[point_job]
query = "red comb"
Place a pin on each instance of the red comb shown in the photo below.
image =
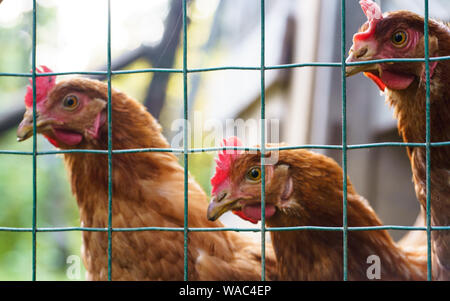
(371, 10)
(43, 86)
(223, 167)
(223, 162)
(373, 14)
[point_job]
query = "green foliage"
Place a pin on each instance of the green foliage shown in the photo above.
(200, 168)
(56, 207)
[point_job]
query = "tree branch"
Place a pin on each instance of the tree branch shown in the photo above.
(11, 118)
(156, 95)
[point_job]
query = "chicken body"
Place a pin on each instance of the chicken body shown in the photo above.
(400, 34)
(305, 189)
(147, 191)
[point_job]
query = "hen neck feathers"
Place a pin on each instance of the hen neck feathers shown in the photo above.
(318, 255)
(132, 127)
(410, 110)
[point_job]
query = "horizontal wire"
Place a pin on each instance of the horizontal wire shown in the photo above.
(214, 149)
(219, 229)
(224, 68)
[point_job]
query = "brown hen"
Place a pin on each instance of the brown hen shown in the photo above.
(400, 34)
(305, 189)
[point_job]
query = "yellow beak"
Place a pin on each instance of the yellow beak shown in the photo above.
(220, 204)
(25, 129)
(360, 52)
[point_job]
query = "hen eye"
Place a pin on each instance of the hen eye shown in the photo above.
(399, 38)
(254, 174)
(70, 102)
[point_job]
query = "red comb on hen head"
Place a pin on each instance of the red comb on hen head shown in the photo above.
(371, 9)
(43, 86)
(223, 168)
(373, 14)
(223, 162)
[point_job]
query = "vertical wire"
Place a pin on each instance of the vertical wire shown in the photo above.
(109, 108)
(427, 141)
(263, 147)
(185, 139)
(33, 77)
(344, 142)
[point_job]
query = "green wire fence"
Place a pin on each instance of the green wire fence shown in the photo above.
(263, 149)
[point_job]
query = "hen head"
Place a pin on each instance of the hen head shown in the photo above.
(398, 34)
(69, 114)
(236, 185)
(301, 184)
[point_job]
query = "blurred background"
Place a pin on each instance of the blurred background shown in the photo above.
(306, 102)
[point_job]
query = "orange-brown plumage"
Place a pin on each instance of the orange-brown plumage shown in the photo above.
(409, 103)
(148, 191)
(305, 188)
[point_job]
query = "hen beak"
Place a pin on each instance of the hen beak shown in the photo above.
(364, 52)
(220, 204)
(25, 129)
